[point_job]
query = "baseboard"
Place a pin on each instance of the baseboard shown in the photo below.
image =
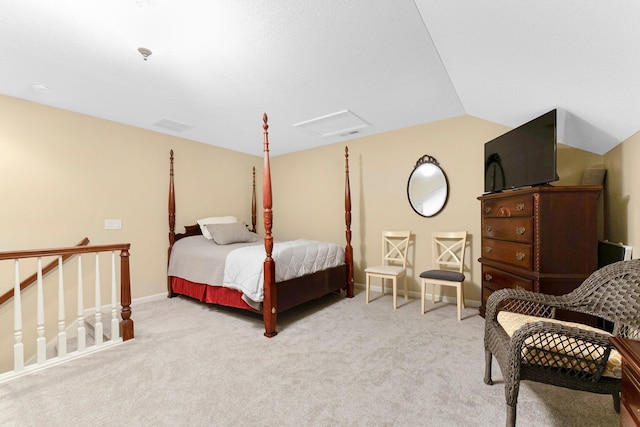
(374, 288)
(106, 308)
(415, 294)
(149, 298)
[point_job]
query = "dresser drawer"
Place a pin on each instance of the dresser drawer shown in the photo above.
(496, 279)
(630, 392)
(518, 229)
(516, 254)
(512, 206)
(626, 418)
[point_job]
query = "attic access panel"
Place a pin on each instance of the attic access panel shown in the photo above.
(342, 123)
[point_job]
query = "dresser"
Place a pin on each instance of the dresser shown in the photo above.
(630, 387)
(542, 239)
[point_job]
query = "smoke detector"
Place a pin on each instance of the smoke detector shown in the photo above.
(144, 52)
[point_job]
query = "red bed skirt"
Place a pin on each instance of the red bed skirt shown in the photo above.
(209, 294)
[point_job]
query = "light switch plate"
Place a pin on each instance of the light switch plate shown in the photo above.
(112, 224)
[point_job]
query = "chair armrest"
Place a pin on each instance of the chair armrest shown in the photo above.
(524, 302)
(577, 351)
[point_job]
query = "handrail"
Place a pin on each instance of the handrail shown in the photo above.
(126, 325)
(62, 251)
(31, 279)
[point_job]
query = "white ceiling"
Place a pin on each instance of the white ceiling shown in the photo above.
(218, 65)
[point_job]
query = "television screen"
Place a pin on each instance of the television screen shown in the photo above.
(524, 156)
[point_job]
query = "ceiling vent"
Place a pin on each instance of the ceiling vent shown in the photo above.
(171, 125)
(343, 123)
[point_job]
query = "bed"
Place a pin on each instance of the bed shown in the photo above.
(224, 274)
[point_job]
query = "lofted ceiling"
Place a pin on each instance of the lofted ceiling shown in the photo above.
(359, 67)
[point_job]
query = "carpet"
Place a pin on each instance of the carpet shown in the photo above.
(334, 362)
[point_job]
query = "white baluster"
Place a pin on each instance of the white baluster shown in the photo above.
(41, 341)
(18, 346)
(82, 337)
(115, 327)
(98, 326)
(62, 334)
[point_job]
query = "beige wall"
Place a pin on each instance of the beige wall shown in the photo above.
(572, 162)
(65, 173)
(380, 166)
(622, 222)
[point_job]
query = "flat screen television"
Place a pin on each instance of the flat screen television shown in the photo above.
(524, 156)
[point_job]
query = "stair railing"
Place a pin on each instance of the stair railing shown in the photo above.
(120, 330)
(32, 279)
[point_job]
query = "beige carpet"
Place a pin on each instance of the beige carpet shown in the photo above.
(335, 362)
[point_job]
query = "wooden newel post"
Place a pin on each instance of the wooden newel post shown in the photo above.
(126, 324)
(270, 303)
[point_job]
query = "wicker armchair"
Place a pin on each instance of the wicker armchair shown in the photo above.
(556, 353)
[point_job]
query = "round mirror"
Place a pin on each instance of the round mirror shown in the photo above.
(427, 188)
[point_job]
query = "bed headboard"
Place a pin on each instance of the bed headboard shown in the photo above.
(194, 229)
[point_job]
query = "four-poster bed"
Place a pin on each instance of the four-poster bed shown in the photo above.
(331, 272)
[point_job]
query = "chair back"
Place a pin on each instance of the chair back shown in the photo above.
(395, 245)
(613, 293)
(448, 250)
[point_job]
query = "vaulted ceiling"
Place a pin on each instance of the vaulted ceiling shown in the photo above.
(328, 70)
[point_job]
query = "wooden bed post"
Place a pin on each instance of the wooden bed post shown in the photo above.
(172, 220)
(253, 202)
(348, 250)
(269, 306)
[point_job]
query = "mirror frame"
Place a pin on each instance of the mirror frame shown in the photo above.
(422, 161)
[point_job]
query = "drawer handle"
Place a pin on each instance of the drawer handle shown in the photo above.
(487, 209)
(519, 256)
(488, 277)
(489, 228)
(488, 249)
(520, 230)
(520, 206)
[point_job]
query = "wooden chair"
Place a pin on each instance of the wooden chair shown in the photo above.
(564, 354)
(395, 245)
(448, 265)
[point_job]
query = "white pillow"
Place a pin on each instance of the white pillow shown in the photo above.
(214, 220)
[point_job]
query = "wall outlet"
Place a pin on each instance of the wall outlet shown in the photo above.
(112, 224)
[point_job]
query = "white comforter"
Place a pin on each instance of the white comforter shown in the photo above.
(240, 265)
(244, 266)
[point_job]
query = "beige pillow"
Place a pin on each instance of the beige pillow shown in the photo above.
(214, 220)
(225, 234)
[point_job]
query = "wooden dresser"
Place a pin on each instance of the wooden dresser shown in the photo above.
(543, 239)
(630, 388)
